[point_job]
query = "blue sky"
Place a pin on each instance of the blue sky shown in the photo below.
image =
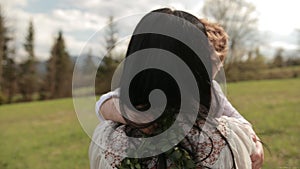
(80, 19)
(40, 6)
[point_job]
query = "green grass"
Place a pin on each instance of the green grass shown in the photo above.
(47, 135)
(273, 108)
(42, 135)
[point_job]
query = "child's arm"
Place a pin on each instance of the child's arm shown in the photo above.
(106, 108)
(257, 157)
(228, 109)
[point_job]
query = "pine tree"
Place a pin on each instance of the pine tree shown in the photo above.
(3, 46)
(278, 58)
(28, 77)
(10, 77)
(87, 69)
(108, 64)
(110, 42)
(259, 60)
(88, 65)
(59, 68)
(7, 64)
(10, 72)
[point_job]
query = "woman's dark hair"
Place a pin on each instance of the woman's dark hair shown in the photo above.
(149, 34)
(146, 36)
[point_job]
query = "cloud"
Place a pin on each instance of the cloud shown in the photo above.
(278, 15)
(284, 45)
(47, 26)
(76, 20)
(285, 41)
(14, 3)
(79, 20)
(124, 8)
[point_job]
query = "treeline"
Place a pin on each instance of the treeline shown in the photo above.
(257, 67)
(26, 82)
(20, 82)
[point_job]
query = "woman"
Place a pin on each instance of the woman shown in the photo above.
(218, 38)
(223, 143)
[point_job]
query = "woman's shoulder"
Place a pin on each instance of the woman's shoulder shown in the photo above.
(109, 142)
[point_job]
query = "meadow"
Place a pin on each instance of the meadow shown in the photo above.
(47, 134)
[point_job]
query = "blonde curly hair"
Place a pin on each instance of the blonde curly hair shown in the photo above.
(217, 37)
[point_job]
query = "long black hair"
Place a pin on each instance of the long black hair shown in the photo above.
(147, 36)
(176, 32)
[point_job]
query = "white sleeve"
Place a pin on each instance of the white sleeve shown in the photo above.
(96, 152)
(228, 109)
(103, 99)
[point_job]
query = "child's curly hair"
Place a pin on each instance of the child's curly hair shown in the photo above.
(217, 37)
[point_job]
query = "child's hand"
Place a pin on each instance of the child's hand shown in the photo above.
(257, 157)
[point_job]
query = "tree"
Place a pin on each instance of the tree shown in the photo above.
(108, 64)
(10, 68)
(252, 68)
(111, 38)
(298, 40)
(59, 67)
(278, 58)
(3, 45)
(28, 77)
(10, 78)
(294, 58)
(88, 63)
(240, 22)
(87, 70)
(7, 63)
(110, 42)
(259, 62)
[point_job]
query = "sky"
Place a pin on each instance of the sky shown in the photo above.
(81, 19)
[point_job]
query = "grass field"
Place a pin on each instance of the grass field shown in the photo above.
(47, 135)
